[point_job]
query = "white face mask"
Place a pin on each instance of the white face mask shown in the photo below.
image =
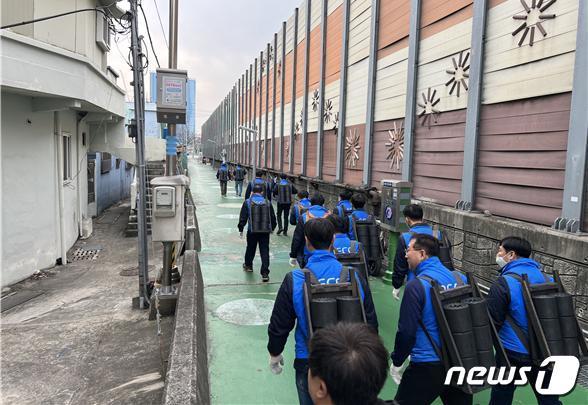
(500, 261)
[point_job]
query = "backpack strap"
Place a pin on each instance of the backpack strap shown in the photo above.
(353, 246)
(458, 278)
(422, 325)
(515, 327)
(344, 275)
(313, 279)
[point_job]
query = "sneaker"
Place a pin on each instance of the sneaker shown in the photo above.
(265, 278)
(246, 268)
(285, 233)
(279, 232)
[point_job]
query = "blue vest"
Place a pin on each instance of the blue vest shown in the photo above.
(327, 270)
(316, 211)
(342, 244)
(516, 307)
(257, 199)
(305, 202)
(422, 351)
(357, 215)
(407, 236)
(342, 206)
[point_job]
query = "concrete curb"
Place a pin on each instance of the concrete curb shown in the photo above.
(187, 375)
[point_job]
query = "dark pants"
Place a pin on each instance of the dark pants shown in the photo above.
(283, 212)
(238, 187)
(422, 383)
(302, 387)
(223, 185)
(253, 239)
(503, 394)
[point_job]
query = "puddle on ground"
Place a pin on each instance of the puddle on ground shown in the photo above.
(249, 311)
(229, 205)
(228, 216)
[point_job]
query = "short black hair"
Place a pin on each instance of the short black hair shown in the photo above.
(257, 188)
(338, 223)
(520, 246)
(346, 194)
(319, 232)
(358, 200)
(352, 361)
(283, 176)
(259, 173)
(317, 199)
(302, 194)
(425, 242)
(413, 211)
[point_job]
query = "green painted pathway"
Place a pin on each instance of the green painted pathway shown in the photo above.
(237, 331)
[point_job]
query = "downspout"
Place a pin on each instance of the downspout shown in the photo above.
(59, 183)
(79, 171)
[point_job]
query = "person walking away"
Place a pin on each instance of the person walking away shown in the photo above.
(299, 253)
(239, 175)
(299, 207)
(283, 191)
(423, 380)
(289, 308)
(266, 189)
(413, 216)
(223, 177)
(258, 214)
(507, 309)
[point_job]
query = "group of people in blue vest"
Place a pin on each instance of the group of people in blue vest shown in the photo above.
(320, 236)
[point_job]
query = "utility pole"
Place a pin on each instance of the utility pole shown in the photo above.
(139, 95)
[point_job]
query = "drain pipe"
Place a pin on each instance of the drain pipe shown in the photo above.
(59, 182)
(79, 122)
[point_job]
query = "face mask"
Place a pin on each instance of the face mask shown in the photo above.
(500, 261)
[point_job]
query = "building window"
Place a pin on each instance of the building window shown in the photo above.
(66, 157)
(105, 162)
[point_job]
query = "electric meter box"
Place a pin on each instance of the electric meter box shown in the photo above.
(167, 219)
(396, 195)
(171, 96)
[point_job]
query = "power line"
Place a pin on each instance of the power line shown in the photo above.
(161, 24)
(54, 16)
(149, 35)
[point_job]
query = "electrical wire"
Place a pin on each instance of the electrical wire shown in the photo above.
(161, 24)
(149, 35)
(54, 16)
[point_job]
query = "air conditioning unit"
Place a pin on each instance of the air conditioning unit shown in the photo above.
(102, 32)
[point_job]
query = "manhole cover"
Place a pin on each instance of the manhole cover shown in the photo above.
(134, 271)
(249, 311)
(84, 254)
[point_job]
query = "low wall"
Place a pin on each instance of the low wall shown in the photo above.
(187, 375)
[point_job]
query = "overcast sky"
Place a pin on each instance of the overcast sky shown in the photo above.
(217, 40)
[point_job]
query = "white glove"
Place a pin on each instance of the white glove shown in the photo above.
(396, 373)
(276, 364)
(396, 294)
(293, 262)
(240, 235)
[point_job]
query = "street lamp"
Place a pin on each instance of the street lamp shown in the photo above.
(254, 132)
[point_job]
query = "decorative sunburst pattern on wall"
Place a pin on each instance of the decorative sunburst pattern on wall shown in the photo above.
(279, 68)
(533, 18)
(315, 100)
(328, 115)
(395, 146)
(428, 106)
(336, 122)
(459, 73)
(352, 148)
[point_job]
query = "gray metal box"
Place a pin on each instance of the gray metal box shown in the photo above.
(168, 208)
(171, 96)
(396, 195)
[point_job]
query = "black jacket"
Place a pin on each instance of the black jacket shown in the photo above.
(268, 193)
(298, 241)
(275, 192)
(244, 217)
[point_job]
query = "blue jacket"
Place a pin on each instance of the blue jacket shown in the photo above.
(245, 214)
(223, 168)
(417, 306)
(257, 180)
(401, 269)
(289, 305)
(342, 244)
(295, 211)
(506, 298)
(357, 215)
(342, 206)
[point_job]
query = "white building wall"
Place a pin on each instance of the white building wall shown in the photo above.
(30, 201)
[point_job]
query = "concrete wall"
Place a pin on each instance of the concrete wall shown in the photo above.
(30, 205)
(112, 186)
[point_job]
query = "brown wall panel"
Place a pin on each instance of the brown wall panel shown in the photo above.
(301, 48)
(353, 174)
(329, 154)
(522, 152)
(311, 154)
(380, 163)
(288, 73)
(314, 68)
(334, 44)
(286, 152)
(298, 154)
(394, 22)
(452, 14)
(438, 158)
(436, 10)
